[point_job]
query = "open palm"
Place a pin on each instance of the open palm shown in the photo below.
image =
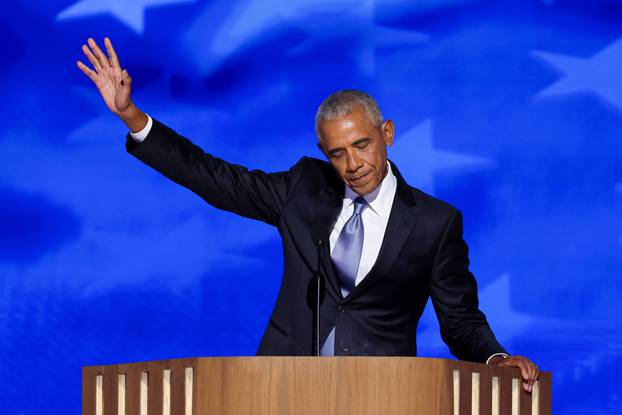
(113, 83)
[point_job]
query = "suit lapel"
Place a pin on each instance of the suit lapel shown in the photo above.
(401, 223)
(330, 201)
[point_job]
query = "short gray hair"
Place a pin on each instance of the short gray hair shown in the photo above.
(344, 102)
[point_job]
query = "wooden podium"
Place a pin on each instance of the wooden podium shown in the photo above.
(309, 386)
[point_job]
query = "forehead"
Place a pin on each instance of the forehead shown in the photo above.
(348, 128)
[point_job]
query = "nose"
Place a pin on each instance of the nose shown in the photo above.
(353, 162)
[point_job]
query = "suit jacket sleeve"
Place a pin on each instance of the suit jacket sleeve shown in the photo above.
(453, 290)
(253, 194)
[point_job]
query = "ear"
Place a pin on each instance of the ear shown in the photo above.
(387, 131)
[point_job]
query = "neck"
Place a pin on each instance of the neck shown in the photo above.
(386, 171)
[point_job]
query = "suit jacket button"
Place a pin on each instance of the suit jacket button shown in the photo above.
(340, 309)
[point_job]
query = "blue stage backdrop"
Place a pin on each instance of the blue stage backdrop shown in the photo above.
(510, 110)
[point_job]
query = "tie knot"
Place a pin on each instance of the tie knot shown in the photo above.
(359, 204)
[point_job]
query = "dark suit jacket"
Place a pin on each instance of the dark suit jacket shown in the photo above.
(422, 255)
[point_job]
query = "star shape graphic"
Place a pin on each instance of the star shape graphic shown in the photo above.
(599, 74)
(110, 227)
(495, 301)
(418, 159)
(194, 121)
(366, 36)
(131, 12)
(188, 118)
(322, 21)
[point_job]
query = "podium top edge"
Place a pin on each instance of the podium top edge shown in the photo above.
(266, 358)
(195, 361)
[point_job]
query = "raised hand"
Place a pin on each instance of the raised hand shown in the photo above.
(113, 82)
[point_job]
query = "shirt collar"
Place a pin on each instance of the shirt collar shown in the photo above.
(381, 199)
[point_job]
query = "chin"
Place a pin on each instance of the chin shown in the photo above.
(363, 190)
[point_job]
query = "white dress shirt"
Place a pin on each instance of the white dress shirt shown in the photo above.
(375, 217)
(142, 134)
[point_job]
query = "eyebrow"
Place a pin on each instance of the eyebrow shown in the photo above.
(356, 143)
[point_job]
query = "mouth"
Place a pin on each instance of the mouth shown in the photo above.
(360, 180)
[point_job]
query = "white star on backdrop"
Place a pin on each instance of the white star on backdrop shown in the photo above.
(418, 159)
(131, 12)
(599, 74)
(195, 122)
(364, 34)
(187, 118)
(114, 217)
(495, 301)
(322, 21)
(245, 24)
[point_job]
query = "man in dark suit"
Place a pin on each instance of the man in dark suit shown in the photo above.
(387, 246)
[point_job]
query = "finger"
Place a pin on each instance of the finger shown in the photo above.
(526, 373)
(525, 370)
(114, 60)
(101, 57)
(126, 83)
(531, 379)
(126, 90)
(127, 79)
(87, 71)
(89, 55)
(534, 373)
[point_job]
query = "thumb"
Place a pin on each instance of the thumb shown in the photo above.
(126, 79)
(122, 100)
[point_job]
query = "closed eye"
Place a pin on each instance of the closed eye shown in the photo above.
(361, 142)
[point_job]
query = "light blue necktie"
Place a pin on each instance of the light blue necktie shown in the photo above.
(347, 256)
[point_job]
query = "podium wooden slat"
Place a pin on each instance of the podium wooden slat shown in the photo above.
(465, 390)
(132, 389)
(110, 386)
(154, 370)
(485, 392)
(546, 391)
(177, 386)
(88, 388)
(505, 395)
(525, 401)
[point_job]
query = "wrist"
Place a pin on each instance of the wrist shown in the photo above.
(496, 359)
(134, 118)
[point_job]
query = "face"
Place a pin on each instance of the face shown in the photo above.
(357, 149)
